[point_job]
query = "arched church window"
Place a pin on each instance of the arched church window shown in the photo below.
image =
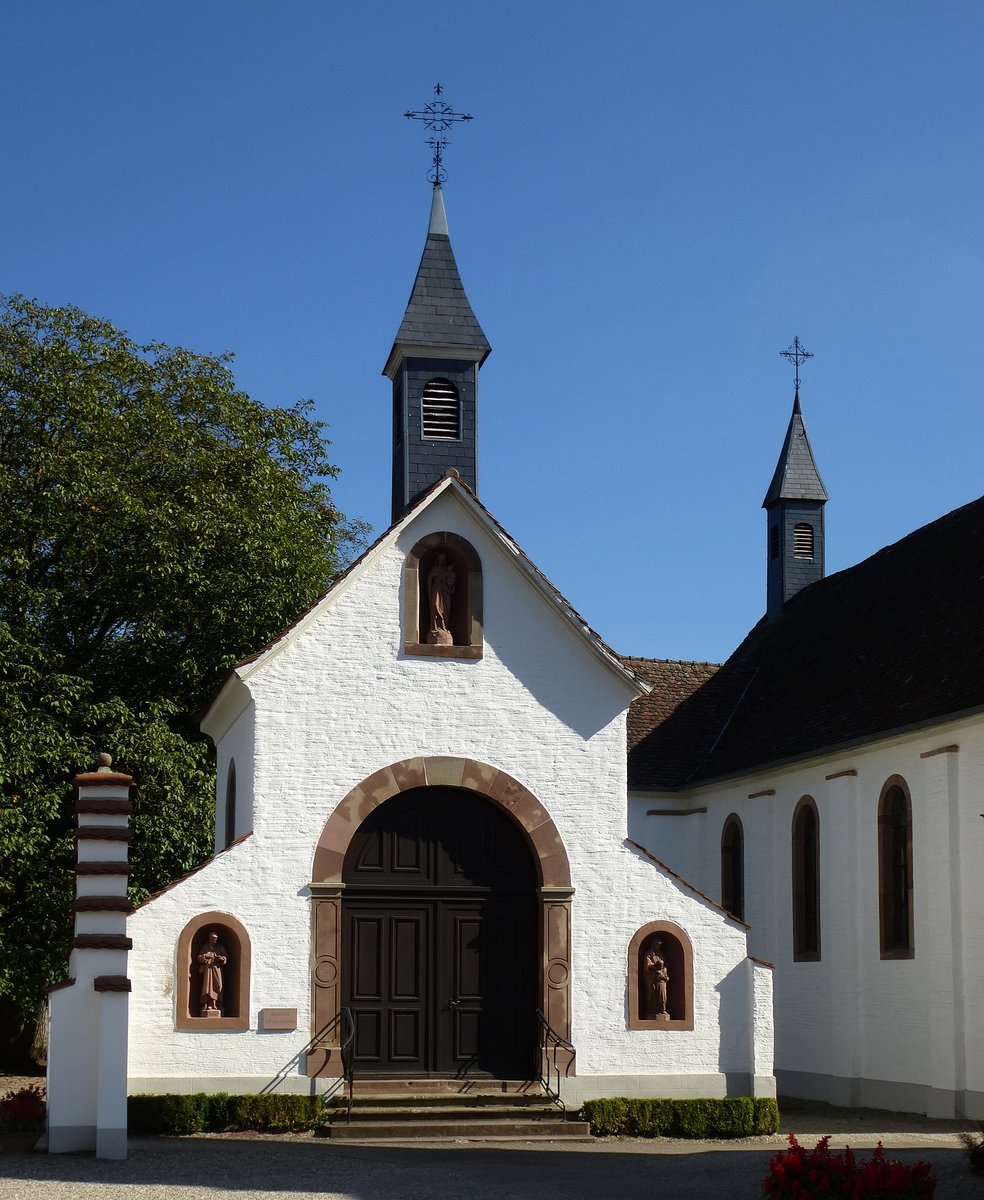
(661, 978)
(212, 975)
(803, 540)
(442, 598)
(733, 867)
(806, 881)
(441, 409)
(895, 870)
(230, 803)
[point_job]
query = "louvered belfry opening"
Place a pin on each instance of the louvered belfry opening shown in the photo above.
(441, 411)
(803, 540)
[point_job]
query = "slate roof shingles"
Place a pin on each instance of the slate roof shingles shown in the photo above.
(438, 310)
(893, 642)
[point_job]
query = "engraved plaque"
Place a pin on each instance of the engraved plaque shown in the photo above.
(278, 1018)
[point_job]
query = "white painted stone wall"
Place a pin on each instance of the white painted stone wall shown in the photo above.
(339, 701)
(853, 1028)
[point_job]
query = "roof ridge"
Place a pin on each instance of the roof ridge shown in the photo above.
(679, 662)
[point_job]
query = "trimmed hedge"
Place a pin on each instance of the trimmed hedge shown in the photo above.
(202, 1113)
(734, 1117)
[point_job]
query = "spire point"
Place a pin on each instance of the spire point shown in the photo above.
(438, 217)
(797, 411)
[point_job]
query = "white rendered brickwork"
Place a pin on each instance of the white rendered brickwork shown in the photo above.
(337, 701)
(856, 1027)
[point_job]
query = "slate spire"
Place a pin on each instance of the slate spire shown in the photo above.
(434, 365)
(796, 476)
(794, 513)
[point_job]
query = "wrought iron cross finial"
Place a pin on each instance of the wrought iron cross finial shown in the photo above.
(796, 353)
(438, 117)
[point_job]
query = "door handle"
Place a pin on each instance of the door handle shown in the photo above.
(454, 1004)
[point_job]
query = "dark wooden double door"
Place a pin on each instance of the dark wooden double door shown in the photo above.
(440, 939)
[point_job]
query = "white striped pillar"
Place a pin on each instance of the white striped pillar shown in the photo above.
(88, 1018)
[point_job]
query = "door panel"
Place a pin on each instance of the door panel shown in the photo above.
(387, 956)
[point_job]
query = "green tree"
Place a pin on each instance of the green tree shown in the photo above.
(156, 525)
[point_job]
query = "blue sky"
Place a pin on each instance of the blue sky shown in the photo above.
(651, 201)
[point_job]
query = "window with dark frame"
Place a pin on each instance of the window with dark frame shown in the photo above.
(733, 867)
(895, 873)
(806, 881)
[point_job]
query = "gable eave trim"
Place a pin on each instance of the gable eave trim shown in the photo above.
(535, 577)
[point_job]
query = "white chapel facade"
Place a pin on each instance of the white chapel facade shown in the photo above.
(421, 822)
(456, 833)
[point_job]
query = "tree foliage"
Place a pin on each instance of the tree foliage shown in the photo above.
(156, 525)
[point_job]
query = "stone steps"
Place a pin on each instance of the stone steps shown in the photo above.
(484, 1131)
(435, 1110)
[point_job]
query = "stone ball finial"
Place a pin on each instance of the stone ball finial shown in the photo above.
(452, 473)
(105, 763)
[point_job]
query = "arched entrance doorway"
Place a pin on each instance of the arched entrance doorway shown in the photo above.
(439, 932)
(327, 889)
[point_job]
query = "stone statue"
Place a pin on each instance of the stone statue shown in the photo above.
(440, 589)
(656, 979)
(211, 961)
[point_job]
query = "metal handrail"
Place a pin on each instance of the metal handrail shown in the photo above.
(551, 1045)
(347, 1053)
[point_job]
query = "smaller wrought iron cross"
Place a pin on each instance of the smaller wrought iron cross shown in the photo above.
(438, 117)
(796, 353)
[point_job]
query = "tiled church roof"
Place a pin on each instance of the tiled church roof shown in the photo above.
(894, 642)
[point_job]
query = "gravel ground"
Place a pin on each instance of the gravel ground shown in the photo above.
(298, 1167)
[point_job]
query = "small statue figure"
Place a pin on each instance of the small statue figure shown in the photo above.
(440, 588)
(211, 961)
(656, 978)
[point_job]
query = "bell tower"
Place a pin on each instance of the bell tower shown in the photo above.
(794, 510)
(434, 367)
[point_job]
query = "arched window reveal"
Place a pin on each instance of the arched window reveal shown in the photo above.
(806, 881)
(230, 803)
(733, 867)
(895, 870)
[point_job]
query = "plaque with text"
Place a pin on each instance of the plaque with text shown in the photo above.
(278, 1018)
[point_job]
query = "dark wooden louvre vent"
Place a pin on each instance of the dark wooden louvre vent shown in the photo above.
(803, 540)
(442, 411)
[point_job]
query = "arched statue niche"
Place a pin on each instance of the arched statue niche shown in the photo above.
(660, 978)
(212, 970)
(442, 598)
(551, 898)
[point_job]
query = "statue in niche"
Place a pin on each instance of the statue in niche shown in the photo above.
(656, 980)
(211, 960)
(440, 589)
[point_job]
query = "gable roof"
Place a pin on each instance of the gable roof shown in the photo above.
(892, 643)
(452, 486)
